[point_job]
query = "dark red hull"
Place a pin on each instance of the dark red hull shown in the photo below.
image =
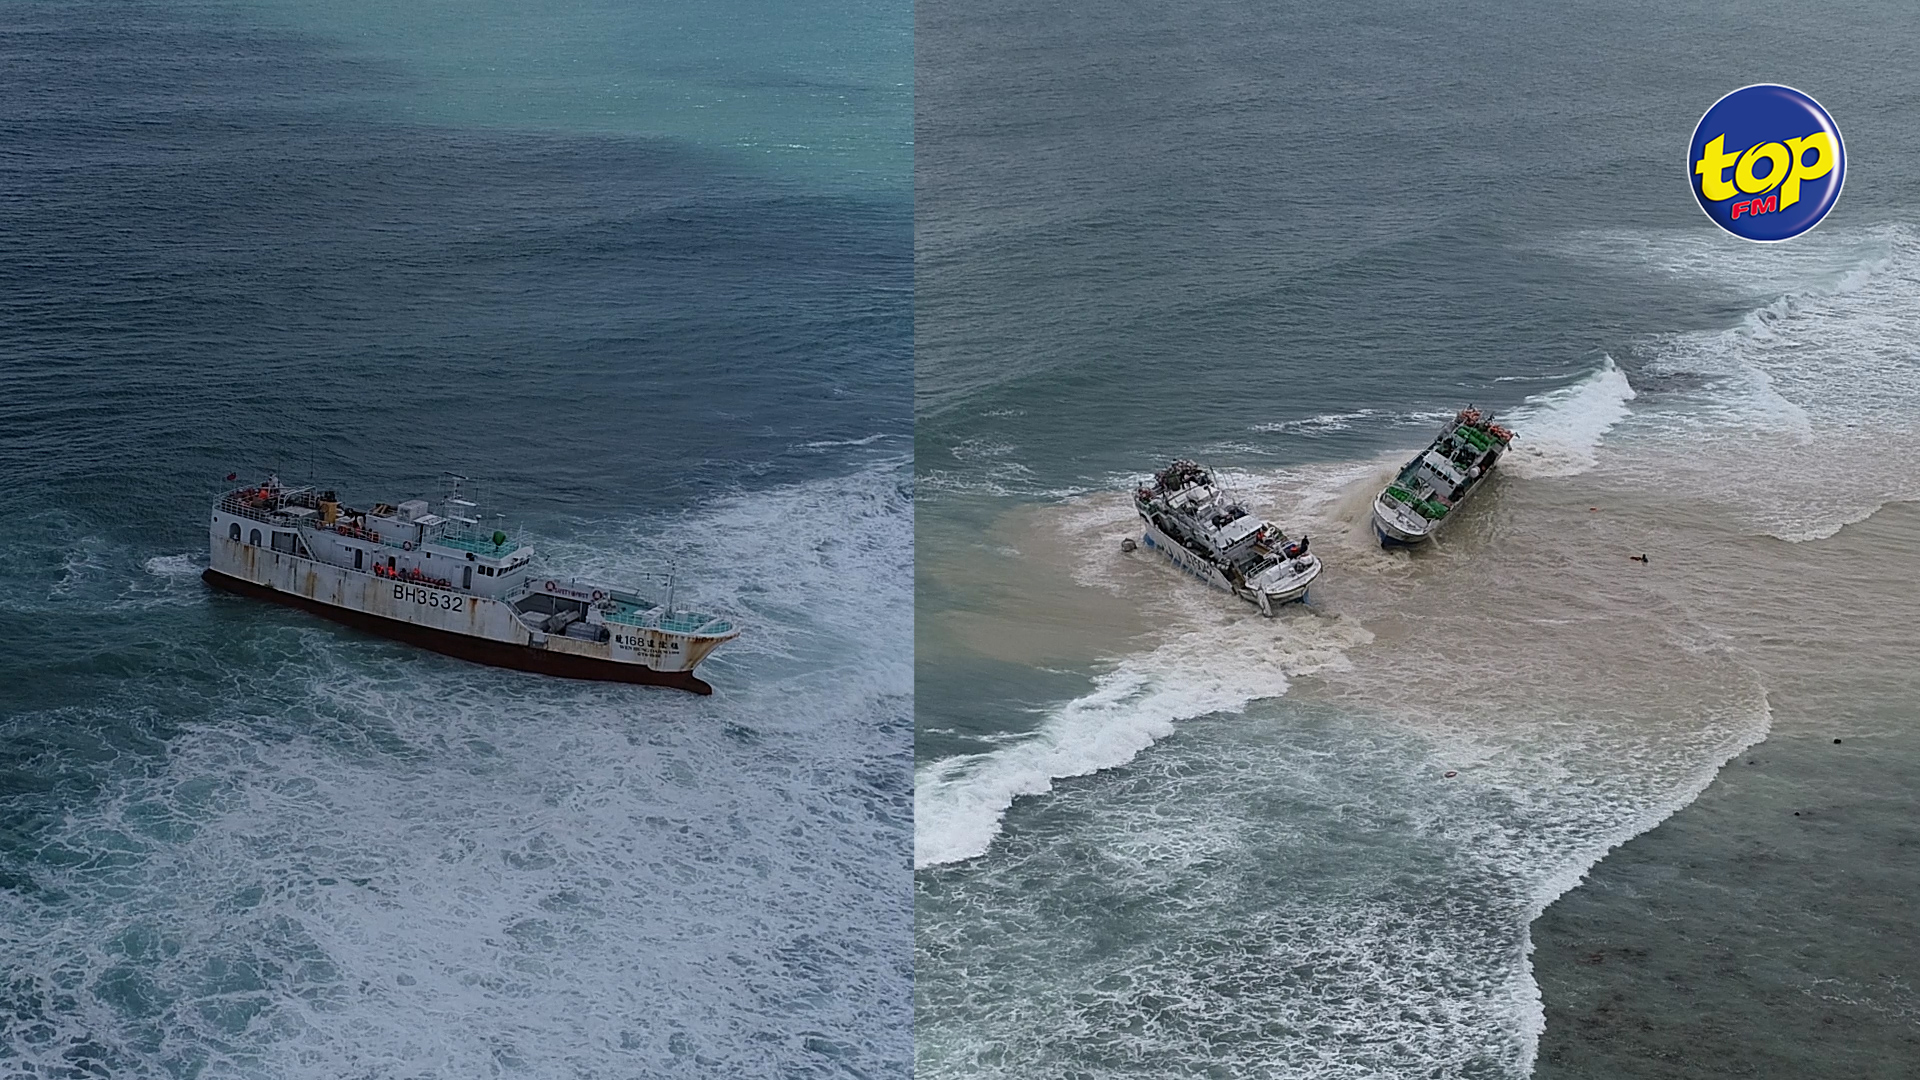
(477, 650)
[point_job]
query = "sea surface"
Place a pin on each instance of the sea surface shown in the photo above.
(644, 271)
(1157, 835)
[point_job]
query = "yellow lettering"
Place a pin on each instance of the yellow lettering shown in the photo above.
(1712, 170)
(1778, 165)
(1821, 144)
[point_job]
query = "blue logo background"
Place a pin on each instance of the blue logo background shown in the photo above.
(1766, 113)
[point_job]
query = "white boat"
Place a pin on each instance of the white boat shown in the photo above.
(444, 582)
(1191, 521)
(1423, 496)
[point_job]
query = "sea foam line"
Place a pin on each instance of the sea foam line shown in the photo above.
(960, 802)
(1558, 433)
(1827, 364)
(1531, 1013)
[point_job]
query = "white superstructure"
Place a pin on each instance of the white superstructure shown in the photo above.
(442, 580)
(1186, 517)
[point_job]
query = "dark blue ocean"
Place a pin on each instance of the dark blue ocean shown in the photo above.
(646, 272)
(1157, 835)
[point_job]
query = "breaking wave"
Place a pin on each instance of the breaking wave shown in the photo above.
(1812, 388)
(319, 854)
(1559, 433)
(1213, 657)
(959, 802)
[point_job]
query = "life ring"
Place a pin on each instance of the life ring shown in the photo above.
(406, 545)
(598, 596)
(550, 585)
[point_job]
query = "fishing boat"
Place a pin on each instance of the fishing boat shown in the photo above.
(1429, 489)
(447, 583)
(1199, 527)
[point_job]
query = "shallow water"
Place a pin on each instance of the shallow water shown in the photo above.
(1762, 930)
(1182, 840)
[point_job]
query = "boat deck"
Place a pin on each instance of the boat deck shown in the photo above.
(479, 545)
(628, 612)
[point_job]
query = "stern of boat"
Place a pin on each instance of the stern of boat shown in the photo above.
(1285, 584)
(1395, 524)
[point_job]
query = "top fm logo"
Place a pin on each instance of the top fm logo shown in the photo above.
(1786, 168)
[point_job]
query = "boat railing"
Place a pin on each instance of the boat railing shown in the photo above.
(273, 516)
(233, 504)
(641, 597)
(472, 540)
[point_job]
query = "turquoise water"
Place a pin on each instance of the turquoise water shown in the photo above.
(818, 92)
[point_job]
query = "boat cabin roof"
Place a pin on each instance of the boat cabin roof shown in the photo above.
(1239, 529)
(301, 508)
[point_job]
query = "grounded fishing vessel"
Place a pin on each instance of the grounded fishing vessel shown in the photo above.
(443, 582)
(1210, 535)
(1422, 497)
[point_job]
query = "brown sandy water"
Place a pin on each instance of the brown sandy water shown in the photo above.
(1767, 929)
(1578, 696)
(1008, 599)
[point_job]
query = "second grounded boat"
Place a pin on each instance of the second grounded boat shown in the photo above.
(1429, 487)
(1209, 534)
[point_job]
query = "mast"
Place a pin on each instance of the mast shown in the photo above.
(460, 511)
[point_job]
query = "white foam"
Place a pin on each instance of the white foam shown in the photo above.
(1572, 868)
(980, 449)
(1216, 660)
(169, 581)
(355, 858)
(173, 565)
(986, 467)
(829, 444)
(1558, 433)
(81, 566)
(1314, 425)
(1328, 423)
(833, 556)
(1304, 893)
(1813, 389)
(1823, 260)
